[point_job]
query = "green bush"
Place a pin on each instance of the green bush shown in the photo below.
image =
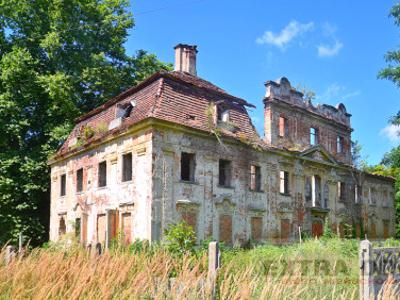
(180, 238)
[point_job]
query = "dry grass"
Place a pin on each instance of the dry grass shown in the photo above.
(73, 274)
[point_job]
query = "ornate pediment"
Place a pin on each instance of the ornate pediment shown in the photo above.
(318, 153)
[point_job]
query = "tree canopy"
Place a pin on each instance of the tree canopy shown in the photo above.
(58, 59)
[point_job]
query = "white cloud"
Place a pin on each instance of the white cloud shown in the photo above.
(338, 93)
(392, 132)
(328, 29)
(329, 50)
(287, 34)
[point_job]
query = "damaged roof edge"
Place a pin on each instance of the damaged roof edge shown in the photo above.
(149, 80)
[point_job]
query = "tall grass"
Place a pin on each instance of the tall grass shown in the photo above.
(259, 273)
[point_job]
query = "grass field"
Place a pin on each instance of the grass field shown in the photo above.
(315, 269)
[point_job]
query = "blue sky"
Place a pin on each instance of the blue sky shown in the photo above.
(334, 48)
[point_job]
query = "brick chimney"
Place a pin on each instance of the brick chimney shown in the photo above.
(185, 58)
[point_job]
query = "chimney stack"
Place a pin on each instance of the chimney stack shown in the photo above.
(185, 58)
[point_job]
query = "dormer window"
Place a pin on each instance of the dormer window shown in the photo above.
(222, 114)
(124, 110)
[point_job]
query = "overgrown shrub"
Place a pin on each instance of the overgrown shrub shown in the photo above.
(180, 238)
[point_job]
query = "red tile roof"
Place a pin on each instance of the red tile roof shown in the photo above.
(170, 96)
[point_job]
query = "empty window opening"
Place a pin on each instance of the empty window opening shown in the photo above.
(373, 196)
(62, 228)
(255, 178)
(222, 114)
(188, 164)
(313, 136)
(339, 144)
(283, 130)
(79, 180)
(63, 185)
(225, 171)
(284, 182)
(326, 196)
(78, 228)
(124, 110)
(316, 191)
(308, 189)
(102, 176)
(357, 193)
(341, 190)
(127, 167)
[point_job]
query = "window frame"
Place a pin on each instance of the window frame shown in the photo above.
(63, 185)
(79, 180)
(284, 183)
(255, 178)
(127, 176)
(283, 126)
(227, 171)
(339, 144)
(313, 136)
(191, 165)
(99, 174)
(341, 191)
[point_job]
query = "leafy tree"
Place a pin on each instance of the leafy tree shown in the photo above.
(58, 59)
(390, 164)
(392, 71)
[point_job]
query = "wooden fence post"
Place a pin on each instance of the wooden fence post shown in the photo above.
(366, 271)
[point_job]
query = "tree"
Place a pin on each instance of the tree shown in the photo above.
(58, 59)
(392, 71)
(390, 164)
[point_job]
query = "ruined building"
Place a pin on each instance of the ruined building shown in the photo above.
(176, 147)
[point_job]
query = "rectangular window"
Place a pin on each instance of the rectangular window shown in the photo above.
(283, 131)
(127, 167)
(63, 184)
(357, 193)
(339, 144)
(188, 165)
(255, 178)
(79, 180)
(313, 136)
(225, 171)
(284, 182)
(78, 228)
(102, 176)
(341, 190)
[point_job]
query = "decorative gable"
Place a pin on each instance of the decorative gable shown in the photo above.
(318, 153)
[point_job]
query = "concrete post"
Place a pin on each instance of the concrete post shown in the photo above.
(213, 265)
(9, 255)
(213, 258)
(366, 271)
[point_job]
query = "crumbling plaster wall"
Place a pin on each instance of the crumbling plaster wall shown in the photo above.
(157, 197)
(208, 201)
(132, 196)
